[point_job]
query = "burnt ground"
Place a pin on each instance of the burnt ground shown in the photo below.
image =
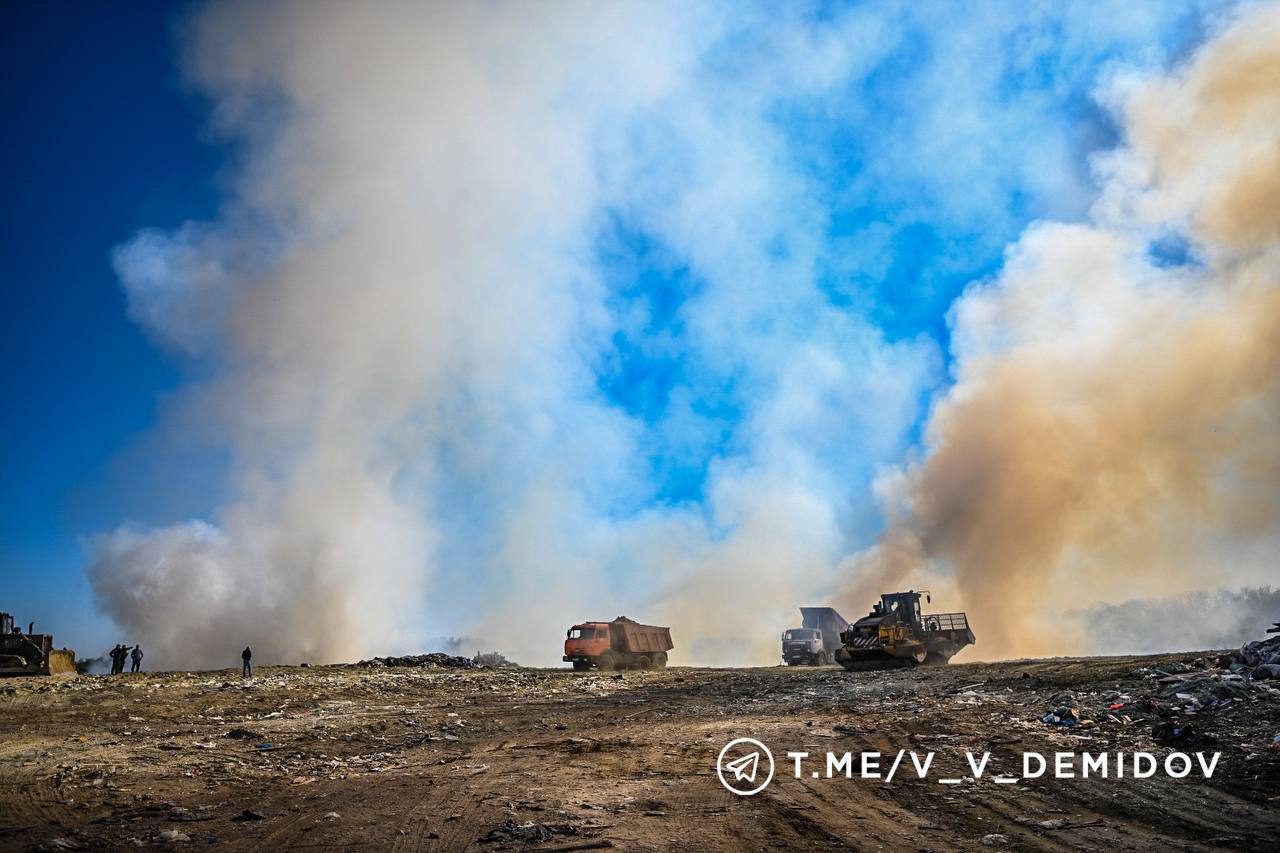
(439, 759)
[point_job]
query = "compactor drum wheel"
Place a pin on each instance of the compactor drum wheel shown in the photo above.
(876, 663)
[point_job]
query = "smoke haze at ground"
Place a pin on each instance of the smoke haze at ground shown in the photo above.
(1221, 619)
(401, 325)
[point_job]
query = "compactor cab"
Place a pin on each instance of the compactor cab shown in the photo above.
(897, 634)
(904, 605)
(30, 653)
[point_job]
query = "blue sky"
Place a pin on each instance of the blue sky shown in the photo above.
(100, 140)
(918, 143)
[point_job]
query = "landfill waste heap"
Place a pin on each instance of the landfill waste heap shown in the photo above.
(1186, 700)
(489, 660)
(1259, 659)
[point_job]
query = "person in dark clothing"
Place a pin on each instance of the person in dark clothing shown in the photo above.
(136, 656)
(246, 656)
(117, 659)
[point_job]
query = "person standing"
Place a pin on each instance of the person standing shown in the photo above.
(117, 660)
(246, 656)
(136, 656)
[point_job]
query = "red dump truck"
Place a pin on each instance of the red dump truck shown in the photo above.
(620, 644)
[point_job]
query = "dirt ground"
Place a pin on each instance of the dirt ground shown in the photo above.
(442, 759)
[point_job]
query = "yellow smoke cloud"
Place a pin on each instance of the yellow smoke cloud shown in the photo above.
(1112, 431)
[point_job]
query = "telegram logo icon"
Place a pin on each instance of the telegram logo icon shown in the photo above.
(742, 764)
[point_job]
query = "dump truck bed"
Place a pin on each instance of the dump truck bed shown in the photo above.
(826, 620)
(643, 638)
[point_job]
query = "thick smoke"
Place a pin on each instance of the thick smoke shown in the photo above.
(1111, 431)
(403, 331)
(404, 323)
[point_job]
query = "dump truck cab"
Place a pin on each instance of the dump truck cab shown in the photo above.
(904, 606)
(801, 645)
(816, 640)
(589, 639)
(620, 644)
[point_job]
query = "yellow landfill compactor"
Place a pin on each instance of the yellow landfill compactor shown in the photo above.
(895, 634)
(29, 653)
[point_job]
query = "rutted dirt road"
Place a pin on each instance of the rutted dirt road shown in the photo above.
(427, 759)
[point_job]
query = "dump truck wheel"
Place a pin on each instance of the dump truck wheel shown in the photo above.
(660, 660)
(580, 665)
(607, 661)
(644, 662)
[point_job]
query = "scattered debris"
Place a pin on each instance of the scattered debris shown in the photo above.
(54, 844)
(331, 730)
(1059, 823)
(1257, 658)
(1063, 716)
(527, 833)
(1180, 736)
(243, 734)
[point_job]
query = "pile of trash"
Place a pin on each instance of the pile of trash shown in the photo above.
(531, 833)
(439, 659)
(489, 660)
(1197, 691)
(1064, 715)
(1177, 691)
(1259, 660)
(1180, 735)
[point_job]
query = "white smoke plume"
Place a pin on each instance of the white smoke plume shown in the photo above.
(400, 322)
(403, 321)
(1111, 432)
